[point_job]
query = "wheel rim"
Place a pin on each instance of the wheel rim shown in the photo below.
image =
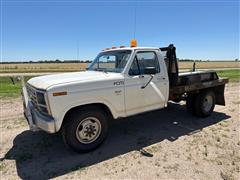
(207, 103)
(88, 130)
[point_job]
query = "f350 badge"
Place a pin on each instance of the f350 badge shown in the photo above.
(118, 83)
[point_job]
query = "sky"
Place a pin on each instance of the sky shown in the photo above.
(70, 30)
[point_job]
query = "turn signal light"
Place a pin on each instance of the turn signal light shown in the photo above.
(60, 93)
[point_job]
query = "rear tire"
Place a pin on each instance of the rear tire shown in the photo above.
(204, 103)
(85, 130)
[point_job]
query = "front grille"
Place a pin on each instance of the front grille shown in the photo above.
(32, 95)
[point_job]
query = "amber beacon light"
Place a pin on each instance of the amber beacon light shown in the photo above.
(134, 43)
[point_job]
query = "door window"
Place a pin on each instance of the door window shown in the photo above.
(143, 60)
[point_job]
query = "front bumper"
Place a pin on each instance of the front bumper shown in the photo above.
(36, 120)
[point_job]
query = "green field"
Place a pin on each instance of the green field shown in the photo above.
(233, 75)
(8, 89)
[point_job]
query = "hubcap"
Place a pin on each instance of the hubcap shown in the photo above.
(207, 103)
(88, 130)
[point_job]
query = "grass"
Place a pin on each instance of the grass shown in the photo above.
(10, 90)
(2, 166)
(233, 75)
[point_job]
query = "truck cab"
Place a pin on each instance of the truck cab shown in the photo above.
(120, 82)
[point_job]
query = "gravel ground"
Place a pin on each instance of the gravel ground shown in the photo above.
(164, 144)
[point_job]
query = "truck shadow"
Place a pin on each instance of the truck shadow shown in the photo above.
(42, 156)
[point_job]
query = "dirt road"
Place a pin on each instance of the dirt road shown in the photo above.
(164, 144)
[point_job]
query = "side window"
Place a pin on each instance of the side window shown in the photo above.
(142, 60)
(134, 70)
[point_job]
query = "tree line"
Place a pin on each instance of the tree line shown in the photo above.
(46, 61)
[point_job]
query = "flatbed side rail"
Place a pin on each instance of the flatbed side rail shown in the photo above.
(177, 91)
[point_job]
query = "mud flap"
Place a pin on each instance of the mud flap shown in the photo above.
(219, 94)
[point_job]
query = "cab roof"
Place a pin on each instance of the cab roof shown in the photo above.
(130, 48)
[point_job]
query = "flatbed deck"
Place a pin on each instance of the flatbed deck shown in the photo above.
(193, 82)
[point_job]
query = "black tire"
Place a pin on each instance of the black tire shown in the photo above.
(73, 123)
(200, 107)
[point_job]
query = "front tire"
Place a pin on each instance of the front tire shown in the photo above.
(85, 130)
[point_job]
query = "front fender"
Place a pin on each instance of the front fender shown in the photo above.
(59, 119)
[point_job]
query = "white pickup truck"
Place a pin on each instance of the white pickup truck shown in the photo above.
(120, 82)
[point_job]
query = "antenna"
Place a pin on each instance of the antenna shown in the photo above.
(135, 20)
(77, 50)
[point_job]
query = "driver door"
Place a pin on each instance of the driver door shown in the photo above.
(139, 98)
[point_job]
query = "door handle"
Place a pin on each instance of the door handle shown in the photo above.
(141, 76)
(161, 78)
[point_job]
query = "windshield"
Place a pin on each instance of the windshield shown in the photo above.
(111, 61)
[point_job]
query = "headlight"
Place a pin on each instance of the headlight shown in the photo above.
(41, 98)
(42, 104)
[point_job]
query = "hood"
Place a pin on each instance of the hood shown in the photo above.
(44, 82)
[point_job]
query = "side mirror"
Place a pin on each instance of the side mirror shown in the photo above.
(150, 70)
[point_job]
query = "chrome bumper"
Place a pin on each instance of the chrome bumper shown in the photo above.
(35, 119)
